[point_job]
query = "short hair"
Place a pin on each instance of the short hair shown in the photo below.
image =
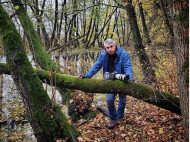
(109, 41)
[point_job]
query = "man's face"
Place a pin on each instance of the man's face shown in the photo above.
(110, 48)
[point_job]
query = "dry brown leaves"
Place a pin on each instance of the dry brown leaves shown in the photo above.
(81, 101)
(142, 122)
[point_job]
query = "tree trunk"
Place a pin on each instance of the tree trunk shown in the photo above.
(167, 22)
(43, 29)
(136, 90)
(45, 36)
(40, 24)
(39, 50)
(75, 25)
(180, 12)
(115, 22)
(60, 23)
(139, 91)
(89, 27)
(145, 30)
(55, 23)
(66, 22)
(45, 117)
(102, 29)
(84, 21)
(1, 95)
(148, 71)
(41, 56)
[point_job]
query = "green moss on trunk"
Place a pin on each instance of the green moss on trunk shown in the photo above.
(47, 122)
(37, 48)
(139, 91)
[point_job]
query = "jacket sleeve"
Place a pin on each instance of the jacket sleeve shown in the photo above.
(96, 67)
(127, 65)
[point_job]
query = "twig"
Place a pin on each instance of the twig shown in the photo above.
(82, 123)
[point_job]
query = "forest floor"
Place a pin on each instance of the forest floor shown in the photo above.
(142, 122)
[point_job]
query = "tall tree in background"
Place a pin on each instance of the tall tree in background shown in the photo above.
(41, 28)
(66, 22)
(145, 29)
(163, 7)
(180, 12)
(54, 23)
(148, 72)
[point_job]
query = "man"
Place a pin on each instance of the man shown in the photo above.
(113, 58)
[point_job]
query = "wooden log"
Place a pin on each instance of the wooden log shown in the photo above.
(136, 90)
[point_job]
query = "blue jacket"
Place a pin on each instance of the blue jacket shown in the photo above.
(122, 63)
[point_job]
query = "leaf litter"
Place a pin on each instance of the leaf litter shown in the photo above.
(142, 122)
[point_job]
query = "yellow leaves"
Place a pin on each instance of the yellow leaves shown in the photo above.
(80, 139)
(69, 122)
(16, 7)
(50, 74)
(99, 116)
(121, 128)
(161, 131)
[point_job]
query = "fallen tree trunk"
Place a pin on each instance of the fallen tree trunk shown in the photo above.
(136, 90)
(139, 91)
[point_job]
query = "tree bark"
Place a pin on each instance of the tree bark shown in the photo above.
(180, 11)
(1, 95)
(45, 117)
(66, 22)
(43, 29)
(102, 29)
(55, 23)
(167, 22)
(136, 90)
(148, 71)
(41, 56)
(115, 22)
(60, 23)
(145, 30)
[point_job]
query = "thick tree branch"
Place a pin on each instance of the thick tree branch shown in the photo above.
(139, 91)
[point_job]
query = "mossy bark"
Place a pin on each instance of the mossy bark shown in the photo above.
(139, 91)
(41, 56)
(47, 122)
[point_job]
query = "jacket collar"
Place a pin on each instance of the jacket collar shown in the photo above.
(119, 51)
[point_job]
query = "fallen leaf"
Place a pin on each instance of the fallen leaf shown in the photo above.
(69, 122)
(161, 131)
